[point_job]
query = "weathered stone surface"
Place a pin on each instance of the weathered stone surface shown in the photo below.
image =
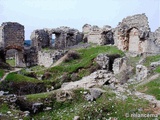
(37, 107)
(155, 64)
(133, 35)
(64, 37)
(103, 61)
(12, 37)
(101, 36)
(98, 78)
(40, 39)
(119, 65)
(157, 36)
(47, 58)
(141, 72)
(12, 98)
(64, 95)
(94, 94)
(31, 56)
(76, 118)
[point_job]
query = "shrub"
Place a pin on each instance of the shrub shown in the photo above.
(71, 55)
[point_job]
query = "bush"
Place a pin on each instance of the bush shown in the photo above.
(71, 55)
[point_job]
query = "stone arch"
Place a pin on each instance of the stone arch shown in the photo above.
(12, 37)
(133, 42)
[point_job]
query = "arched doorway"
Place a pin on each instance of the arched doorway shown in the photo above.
(14, 56)
(133, 40)
(10, 57)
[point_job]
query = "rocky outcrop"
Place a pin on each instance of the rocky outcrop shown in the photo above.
(119, 65)
(141, 72)
(94, 94)
(98, 78)
(103, 61)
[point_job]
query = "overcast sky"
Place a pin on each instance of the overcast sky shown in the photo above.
(37, 14)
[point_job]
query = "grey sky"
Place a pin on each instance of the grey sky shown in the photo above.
(37, 14)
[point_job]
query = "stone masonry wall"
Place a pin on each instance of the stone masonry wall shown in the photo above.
(101, 36)
(133, 35)
(12, 37)
(47, 58)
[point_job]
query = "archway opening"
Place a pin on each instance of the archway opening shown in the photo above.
(133, 40)
(11, 57)
(53, 38)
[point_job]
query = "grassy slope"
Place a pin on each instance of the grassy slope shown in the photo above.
(104, 107)
(20, 78)
(87, 55)
(86, 60)
(153, 87)
(1, 73)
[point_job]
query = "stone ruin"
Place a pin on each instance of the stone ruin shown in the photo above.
(64, 37)
(132, 34)
(12, 37)
(101, 36)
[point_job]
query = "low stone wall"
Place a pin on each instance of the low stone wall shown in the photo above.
(47, 58)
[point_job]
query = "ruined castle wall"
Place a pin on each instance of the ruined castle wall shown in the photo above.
(132, 33)
(13, 35)
(47, 58)
(157, 36)
(94, 38)
(1, 37)
(100, 36)
(40, 39)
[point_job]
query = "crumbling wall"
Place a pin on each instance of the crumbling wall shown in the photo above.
(47, 58)
(157, 36)
(31, 56)
(133, 34)
(101, 36)
(40, 39)
(12, 37)
(65, 37)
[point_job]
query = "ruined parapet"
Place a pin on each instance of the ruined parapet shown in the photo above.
(95, 34)
(12, 37)
(132, 34)
(40, 39)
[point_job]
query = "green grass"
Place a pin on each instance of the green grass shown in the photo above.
(104, 107)
(37, 97)
(20, 78)
(1, 73)
(151, 88)
(11, 62)
(86, 60)
(4, 107)
(150, 59)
